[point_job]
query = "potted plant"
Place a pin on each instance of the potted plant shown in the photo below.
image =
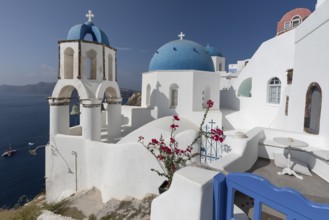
(169, 156)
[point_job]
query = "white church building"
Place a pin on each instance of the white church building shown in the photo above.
(280, 91)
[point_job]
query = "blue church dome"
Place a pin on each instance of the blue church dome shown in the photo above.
(181, 55)
(79, 32)
(212, 51)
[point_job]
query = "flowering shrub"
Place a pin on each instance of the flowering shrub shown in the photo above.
(169, 156)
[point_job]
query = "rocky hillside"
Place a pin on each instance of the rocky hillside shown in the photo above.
(85, 204)
(135, 99)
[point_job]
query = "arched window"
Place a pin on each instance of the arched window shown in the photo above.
(313, 109)
(295, 21)
(110, 67)
(148, 95)
(91, 63)
(68, 63)
(274, 90)
(173, 95)
(245, 88)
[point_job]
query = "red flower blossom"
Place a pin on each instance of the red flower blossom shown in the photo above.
(217, 138)
(217, 132)
(173, 126)
(169, 156)
(166, 149)
(160, 157)
(210, 103)
(217, 135)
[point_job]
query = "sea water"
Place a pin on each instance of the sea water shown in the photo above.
(23, 119)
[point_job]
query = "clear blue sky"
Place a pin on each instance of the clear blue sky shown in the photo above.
(30, 31)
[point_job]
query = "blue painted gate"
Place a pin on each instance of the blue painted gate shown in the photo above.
(285, 200)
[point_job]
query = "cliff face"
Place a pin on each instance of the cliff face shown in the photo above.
(135, 99)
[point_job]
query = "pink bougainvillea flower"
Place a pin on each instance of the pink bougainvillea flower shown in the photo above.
(160, 157)
(166, 150)
(217, 135)
(169, 156)
(217, 131)
(173, 126)
(210, 103)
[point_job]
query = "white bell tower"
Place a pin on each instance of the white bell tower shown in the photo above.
(89, 68)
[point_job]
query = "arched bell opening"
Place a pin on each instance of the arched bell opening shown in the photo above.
(74, 117)
(67, 113)
(111, 115)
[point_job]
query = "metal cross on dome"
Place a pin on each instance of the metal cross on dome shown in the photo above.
(90, 15)
(181, 35)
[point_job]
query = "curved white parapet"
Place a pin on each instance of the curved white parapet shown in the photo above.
(190, 197)
(244, 151)
(159, 127)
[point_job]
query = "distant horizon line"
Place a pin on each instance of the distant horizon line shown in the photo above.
(29, 84)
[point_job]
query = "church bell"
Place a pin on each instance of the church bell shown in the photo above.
(75, 110)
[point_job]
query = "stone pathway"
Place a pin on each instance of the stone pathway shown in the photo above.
(88, 205)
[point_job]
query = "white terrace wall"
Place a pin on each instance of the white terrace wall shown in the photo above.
(112, 168)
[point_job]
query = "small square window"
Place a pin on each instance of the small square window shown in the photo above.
(289, 76)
